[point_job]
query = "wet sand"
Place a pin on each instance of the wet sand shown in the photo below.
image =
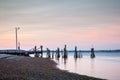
(27, 68)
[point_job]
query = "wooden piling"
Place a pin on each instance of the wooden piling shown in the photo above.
(35, 51)
(41, 47)
(92, 53)
(48, 53)
(65, 55)
(58, 53)
(75, 54)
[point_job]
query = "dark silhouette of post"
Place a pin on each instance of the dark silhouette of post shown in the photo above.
(48, 53)
(75, 54)
(65, 55)
(41, 47)
(35, 51)
(92, 53)
(58, 53)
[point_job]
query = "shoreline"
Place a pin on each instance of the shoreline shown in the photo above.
(28, 68)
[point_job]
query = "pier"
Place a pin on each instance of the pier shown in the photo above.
(38, 52)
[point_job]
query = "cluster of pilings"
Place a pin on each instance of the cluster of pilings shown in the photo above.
(79, 55)
(76, 54)
(37, 52)
(64, 54)
(57, 53)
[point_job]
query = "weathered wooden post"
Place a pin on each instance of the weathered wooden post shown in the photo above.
(75, 54)
(92, 53)
(35, 51)
(41, 47)
(58, 53)
(65, 53)
(48, 53)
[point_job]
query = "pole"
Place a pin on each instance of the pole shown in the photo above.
(17, 28)
(16, 36)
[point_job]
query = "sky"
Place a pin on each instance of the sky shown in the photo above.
(54, 23)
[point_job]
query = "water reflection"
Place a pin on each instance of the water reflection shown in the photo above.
(76, 59)
(77, 65)
(65, 60)
(92, 66)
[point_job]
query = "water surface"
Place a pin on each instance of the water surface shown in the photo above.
(104, 65)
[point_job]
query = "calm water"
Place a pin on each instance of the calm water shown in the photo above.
(105, 65)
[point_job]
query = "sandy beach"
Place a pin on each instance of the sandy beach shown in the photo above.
(27, 68)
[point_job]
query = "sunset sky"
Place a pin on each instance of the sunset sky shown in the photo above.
(53, 23)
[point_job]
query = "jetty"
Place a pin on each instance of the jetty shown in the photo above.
(38, 52)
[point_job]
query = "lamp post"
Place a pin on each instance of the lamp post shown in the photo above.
(16, 29)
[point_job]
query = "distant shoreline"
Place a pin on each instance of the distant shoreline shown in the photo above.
(14, 50)
(26, 68)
